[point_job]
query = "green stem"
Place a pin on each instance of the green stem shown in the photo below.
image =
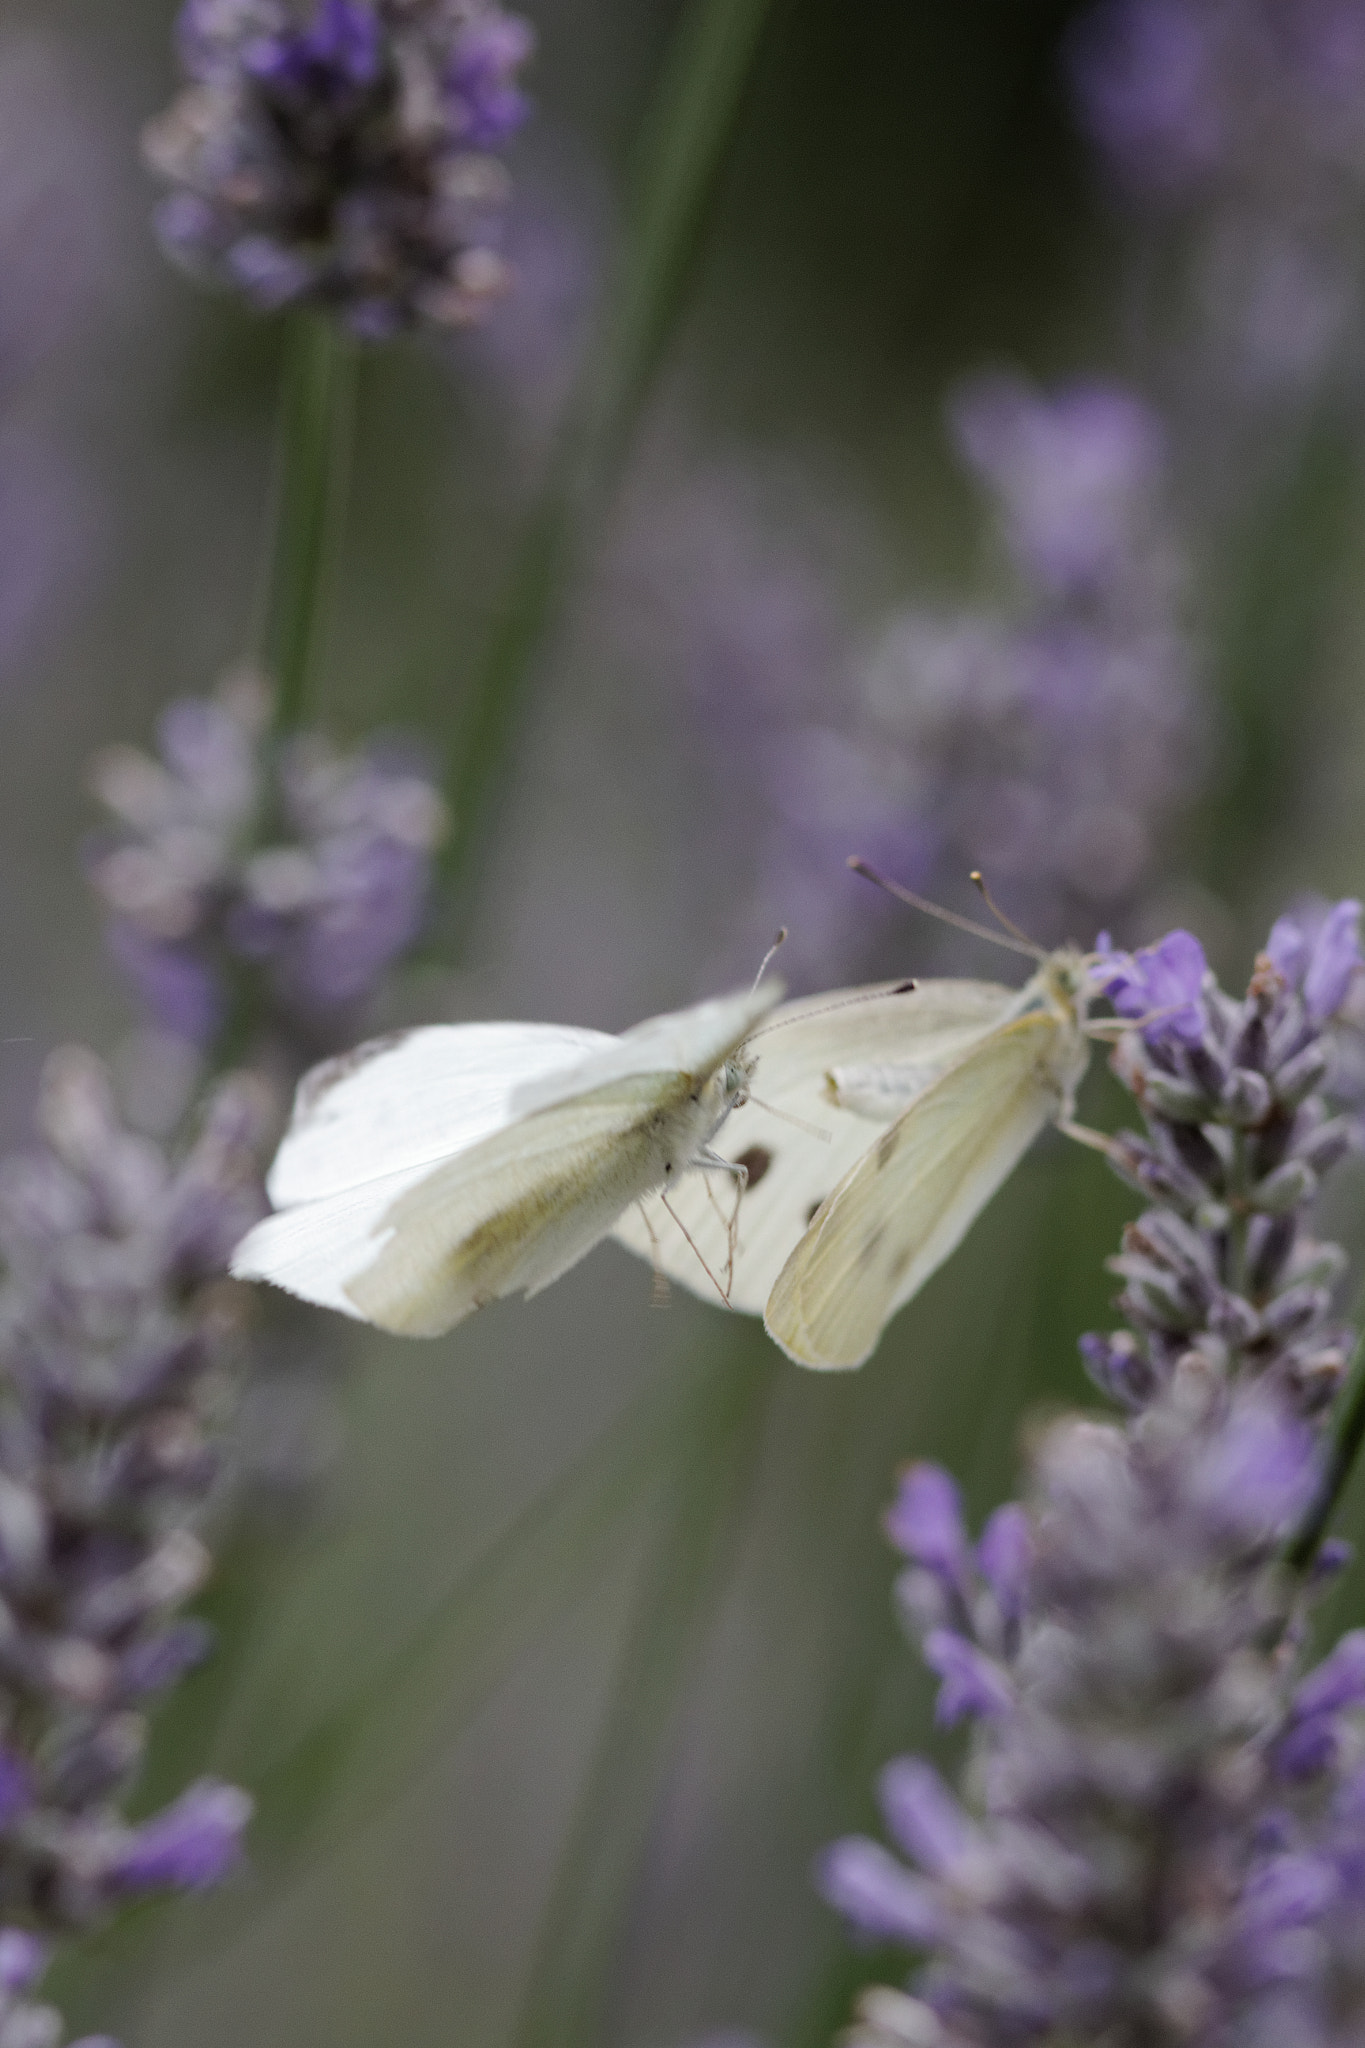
(1347, 1438)
(684, 143)
(571, 1974)
(317, 403)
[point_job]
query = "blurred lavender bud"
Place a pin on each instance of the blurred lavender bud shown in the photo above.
(196, 901)
(925, 1522)
(1050, 742)
(189, 1846)
(114, 1343)
(343, 160)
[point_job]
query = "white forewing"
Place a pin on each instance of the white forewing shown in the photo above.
(834, 1068)
(412, 1100)
(693, 1041)
(909, 1201)
(424, 1176)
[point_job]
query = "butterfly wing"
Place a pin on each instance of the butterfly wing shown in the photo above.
(909, 1201)
(517, 1211)
(536, 1138)
(840, 1067)
(412, 1099)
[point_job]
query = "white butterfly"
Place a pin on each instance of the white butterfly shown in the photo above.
(427, 1174)
(883, 1122)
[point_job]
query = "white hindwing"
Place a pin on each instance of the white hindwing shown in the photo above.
(834, 1068)
(907, 1204)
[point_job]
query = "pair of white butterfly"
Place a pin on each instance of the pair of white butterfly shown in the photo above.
(427, 1174)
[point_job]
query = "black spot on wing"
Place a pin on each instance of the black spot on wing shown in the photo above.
(755, 1162)
(813, 1209)
(321, 1080)
(886, 1147)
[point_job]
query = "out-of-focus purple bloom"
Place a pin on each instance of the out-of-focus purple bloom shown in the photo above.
(1164, 983)
(1318, 954)
(878, 1894)
(1162, 1831)
(118, 1337)
(1256, 1477)
(482, 79)
(923, 1815)
(196, 899)
(1072, 475)
(343, 160)
(23, 1958)
(925, 1522)
(972, 1683)
(190, 1846)
(1242, 122)
(1048, 742)
(16, 1790)
(1003, 1556)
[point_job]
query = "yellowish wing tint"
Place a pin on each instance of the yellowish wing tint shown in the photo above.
(521, 1208)
(910, 1200)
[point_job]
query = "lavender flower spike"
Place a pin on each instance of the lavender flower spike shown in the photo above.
(118, 1335)
(1162, 1839)
(199, 903)
(344, 161)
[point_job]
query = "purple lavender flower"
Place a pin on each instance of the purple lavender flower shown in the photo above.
(1051, 744)
(343, 160)
(1162, 1836)
(190, 1846)
(118, 1340)
(1050, 741)
(197, 900)
(1242, 123)
(1164, 983)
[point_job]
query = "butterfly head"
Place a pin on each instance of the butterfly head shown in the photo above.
(1065, 981)
(734, 1078)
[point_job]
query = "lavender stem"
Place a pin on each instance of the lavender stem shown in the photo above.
(317, 404)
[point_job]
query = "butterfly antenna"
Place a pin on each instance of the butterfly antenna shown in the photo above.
(963, 924)
(978, 881)
(870, 995)
(812, 1130)
(766, 962)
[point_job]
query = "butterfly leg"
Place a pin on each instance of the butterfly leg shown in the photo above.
(712, 1162)
(1083, 1135)
(721, 1291)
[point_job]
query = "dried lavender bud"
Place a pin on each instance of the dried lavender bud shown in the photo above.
(1162, 1834)
(303, 870)
(344, 160)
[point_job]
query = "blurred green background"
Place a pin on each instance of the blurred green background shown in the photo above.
(585, 1645)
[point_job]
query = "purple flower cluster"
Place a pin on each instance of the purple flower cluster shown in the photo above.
(1242, 122)
(295, 870)
(119, 1341)
(1161, 1833)
(344, 160)
(1053, 743)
